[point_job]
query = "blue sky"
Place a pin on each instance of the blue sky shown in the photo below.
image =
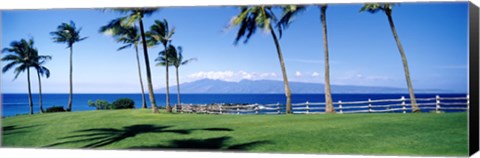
(362, 49)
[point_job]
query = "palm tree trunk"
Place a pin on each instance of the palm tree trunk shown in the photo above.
(147, 65)
(288, 109)
(178, 91)
(413, 101)
(328, 94)
(30, 102)
(70, 97)
(167, 105)
(144, 103)
(40, 92)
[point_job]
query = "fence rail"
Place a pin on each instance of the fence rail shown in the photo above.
(403, 105)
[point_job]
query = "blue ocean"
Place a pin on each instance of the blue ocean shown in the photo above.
(16, 104)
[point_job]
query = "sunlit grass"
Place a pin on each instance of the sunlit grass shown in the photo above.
(374, 134)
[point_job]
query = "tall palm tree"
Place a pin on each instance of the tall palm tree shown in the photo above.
(69, 34)
(253, 17)
(291, 11)
(387, 9)
(134, 15)
(164, 59)
(130, 37)
(328, 93)
(20, 55)
(160, 33)
(38, 62)
(176, 59)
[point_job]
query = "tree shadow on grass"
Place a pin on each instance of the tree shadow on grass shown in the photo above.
(14, 129)
(218, 143)
(99, 137)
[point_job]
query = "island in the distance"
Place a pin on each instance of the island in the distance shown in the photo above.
(273, 87)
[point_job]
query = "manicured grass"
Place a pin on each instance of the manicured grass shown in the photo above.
(427, 134)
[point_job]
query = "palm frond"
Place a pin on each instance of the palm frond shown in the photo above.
(19, 70)
(125, 46)
(144, 11)
(111, 27)
(9, 66)
(188, 61)
(237, 20)
(44, 57)
(176, 57)
(128, 35)
(41, 59)
(24, 55)
(160, 33)
(251, 28)
(43, 71)
(167, 55)
(289, 13)
(67, 33)
(375, 7)
(251, 18)
(81, 39)
(130, 20)
(148, 11)
(11, 57)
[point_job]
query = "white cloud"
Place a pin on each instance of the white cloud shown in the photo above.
(298, 73)
(271, 74)
(370, 78)
(232, 76)
(212, 75)
(315, 74)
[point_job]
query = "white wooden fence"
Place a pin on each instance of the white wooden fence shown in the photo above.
(437, 104)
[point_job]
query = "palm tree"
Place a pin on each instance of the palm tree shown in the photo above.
(130, 37)
(387, 9)
(160, 33)
(176, 59)
(69, 34)
(22, 57)
(38, 61)
(253, 17)
(328, 93)
(165, 58)
(134, 15)
(289, 12)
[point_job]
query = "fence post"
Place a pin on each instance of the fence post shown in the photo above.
(340, 106)
(221, 108)
(468, 101)
(181, 108)
(307, 106)
(238, 109)
(369, 105)
(437, 104)
(205, 112)
(278, 107)
(403, 105)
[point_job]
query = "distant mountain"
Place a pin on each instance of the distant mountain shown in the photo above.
(272, 86)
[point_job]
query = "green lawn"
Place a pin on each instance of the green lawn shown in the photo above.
(427, 134)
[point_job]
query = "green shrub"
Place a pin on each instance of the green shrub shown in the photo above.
(55, 109)
(123, 103)
(100, 104)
